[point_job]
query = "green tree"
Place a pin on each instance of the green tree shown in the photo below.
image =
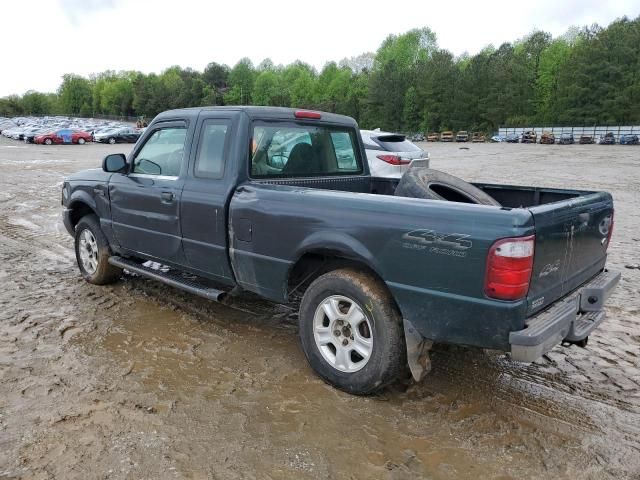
(241, 80)
(589, 75)
(411, 113)
(36, 103)
(299, 82)
(395, 70)
(75, 92)
(11, 106)
(267, 90)
(216, 75)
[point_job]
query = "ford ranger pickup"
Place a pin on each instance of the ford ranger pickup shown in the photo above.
(280, 202)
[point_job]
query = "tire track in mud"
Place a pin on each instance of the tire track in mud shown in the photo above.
(527, 393)
(40, 366)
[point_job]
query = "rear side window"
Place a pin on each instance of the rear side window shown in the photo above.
(210, 159)
(297, 150)
(396, 143)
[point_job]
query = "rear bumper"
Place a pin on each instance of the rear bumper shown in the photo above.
(572, 319)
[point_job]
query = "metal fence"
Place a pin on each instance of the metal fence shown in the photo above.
(595, 131)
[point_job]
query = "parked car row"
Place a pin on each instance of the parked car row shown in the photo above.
(461, 136)
(566, 138)
(65, 130)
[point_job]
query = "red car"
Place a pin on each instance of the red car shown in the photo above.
(64, 136)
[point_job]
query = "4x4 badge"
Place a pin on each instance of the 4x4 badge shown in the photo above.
(457, 241)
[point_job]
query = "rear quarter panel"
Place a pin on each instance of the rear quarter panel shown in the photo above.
(430, 254)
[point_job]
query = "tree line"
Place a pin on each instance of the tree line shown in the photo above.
(587, 76)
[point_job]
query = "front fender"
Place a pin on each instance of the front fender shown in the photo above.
(79, 197)
(94, 196)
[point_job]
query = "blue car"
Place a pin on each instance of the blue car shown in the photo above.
(566, 139)
(629, 140)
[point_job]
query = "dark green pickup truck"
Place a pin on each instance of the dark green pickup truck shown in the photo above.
(280, 202)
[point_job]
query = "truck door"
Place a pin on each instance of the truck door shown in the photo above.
(208, 186)
(145, 201)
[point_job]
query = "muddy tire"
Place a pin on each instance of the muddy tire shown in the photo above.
(351, 332)
(436, 185)
(92, 253)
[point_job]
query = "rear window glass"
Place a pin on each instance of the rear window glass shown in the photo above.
(396, 143)
(297, 150)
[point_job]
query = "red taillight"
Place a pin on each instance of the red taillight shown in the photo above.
(307, 114)
(509, 266)
(393, 159)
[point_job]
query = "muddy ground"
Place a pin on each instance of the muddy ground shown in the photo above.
(137, 380)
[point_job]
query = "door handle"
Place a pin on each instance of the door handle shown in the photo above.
(167, 196)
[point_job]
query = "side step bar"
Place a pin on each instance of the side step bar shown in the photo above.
(168, 278)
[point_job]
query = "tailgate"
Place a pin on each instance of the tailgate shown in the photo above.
(571, 246)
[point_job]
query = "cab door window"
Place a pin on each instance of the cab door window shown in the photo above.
(211, 151)
(162, 153)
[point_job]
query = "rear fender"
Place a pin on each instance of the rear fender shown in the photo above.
(337, 244)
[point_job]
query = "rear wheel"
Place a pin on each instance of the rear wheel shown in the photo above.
(351, 332)
(47, 141)
(92, 252)
(112, 140)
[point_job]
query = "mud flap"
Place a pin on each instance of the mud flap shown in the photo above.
(417, 351)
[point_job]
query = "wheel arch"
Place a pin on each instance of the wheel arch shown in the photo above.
(319, 258)
(81, 204)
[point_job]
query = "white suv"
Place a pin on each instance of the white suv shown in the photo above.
(391, 154)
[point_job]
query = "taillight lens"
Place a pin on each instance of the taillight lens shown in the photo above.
(509, 266)
(393, 159)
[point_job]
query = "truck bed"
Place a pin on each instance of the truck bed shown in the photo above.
(513, 196)
(324, 214)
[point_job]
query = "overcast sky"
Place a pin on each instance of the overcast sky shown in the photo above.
(43, 39)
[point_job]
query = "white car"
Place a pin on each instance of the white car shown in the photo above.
(391, 154)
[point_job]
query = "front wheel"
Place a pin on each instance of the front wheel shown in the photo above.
(351, 332)
(92, 252)
(112, 140)
(81, 141)
(47, 141)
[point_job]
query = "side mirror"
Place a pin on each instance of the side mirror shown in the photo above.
(116, 162)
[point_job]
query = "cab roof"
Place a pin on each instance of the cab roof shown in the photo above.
(256, 112)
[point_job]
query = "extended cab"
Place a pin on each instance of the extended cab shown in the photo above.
(280, 202)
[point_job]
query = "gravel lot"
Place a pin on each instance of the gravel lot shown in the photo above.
(137, 380)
